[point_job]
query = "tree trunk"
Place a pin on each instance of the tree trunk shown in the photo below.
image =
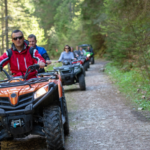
(2, 28)
(70, 9)
(6, 24)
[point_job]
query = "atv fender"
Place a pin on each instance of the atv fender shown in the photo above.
(60, 91)
(59, 78)
(52, 87)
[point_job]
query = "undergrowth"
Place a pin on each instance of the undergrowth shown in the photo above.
(50, 67)
(132, 84)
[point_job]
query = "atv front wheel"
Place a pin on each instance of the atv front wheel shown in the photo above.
(53, 128)
(92, 60)
(85, 66)
(82, 82)
(88, 64)
(84, 72)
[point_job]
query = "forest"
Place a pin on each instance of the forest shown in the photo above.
(119, 30)
(85, 100)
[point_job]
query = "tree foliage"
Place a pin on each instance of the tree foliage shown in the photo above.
(119, 29)
(19, 16)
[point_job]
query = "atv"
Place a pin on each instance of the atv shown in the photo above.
(86, 62)
(36, 106)
(79, 61)
(83, 60)
(72, 73)
(88, 54)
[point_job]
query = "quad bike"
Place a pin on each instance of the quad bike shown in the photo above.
(36, 106)
(84, 61)
(72, 73)
(88, 54)
(79, 61)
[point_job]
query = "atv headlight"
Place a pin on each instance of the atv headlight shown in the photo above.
(41, 92)
(88, 55)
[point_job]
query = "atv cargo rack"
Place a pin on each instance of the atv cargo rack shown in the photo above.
(50, 74)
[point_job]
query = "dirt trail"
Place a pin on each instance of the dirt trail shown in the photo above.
(100, 119)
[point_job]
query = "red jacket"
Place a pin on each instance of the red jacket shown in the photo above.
(19, 62)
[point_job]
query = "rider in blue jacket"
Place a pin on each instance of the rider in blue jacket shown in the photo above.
(32, 42)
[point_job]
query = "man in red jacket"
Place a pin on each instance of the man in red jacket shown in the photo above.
(20, 56)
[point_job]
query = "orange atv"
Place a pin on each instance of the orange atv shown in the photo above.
(36, 106)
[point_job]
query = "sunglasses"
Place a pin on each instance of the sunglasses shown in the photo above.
(66, 48)
(20, 37)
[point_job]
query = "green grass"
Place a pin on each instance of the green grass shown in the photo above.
(50, 67)
(132, 84)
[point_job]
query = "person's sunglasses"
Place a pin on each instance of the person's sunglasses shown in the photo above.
(20, 37)
(66, 48)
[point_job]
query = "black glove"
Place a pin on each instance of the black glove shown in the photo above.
(1, 68)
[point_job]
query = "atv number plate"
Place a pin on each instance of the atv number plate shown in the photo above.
(16, 123)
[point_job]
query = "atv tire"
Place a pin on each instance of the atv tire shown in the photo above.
(92, 60)
(82, 82)
(88, 64)
(84, 72)
(53, 127)
(66, 124)
(85, 66)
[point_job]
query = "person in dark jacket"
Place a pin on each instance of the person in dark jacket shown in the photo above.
(20, 56)
(32, 42)
(77, 51)
(74, 53)
(89, 49)
(82, 51)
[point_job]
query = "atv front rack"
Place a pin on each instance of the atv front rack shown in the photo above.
(28, 82)
(48, 73)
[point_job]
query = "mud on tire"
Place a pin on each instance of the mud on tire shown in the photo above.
(82, 82)
(53, 128)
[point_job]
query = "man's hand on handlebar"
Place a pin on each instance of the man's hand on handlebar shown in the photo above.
(48, 62)
(41, 64)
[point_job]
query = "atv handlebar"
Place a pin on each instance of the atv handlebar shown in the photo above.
(29, 70)
(32, 68)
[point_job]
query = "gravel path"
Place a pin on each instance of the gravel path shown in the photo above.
(100, 119)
